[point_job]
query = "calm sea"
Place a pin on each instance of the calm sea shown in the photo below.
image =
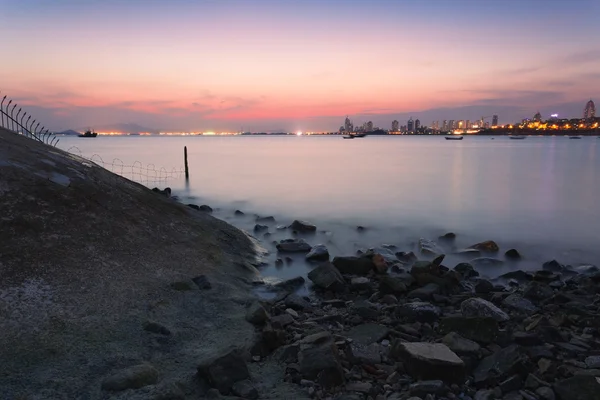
(539, 195)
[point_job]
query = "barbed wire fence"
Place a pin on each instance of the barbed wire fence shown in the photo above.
(148, 175)
(17, 120)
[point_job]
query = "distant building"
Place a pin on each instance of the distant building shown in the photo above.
(417, 125)
(444, 125)
(486, 125)
(348, 126)
(411, 125)
(395, 126)
(451, 124)
(369, 127)
(468, 124)
(590, 110)
(537, 117)
(342, 129)
(495, 120)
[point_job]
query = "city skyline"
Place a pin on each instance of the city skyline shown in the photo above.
(272, 66)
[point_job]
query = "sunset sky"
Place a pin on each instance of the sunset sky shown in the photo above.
(296, 64)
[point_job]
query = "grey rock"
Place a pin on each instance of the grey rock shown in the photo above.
(545, 393)
(511, 384)
(537, 291)
(293, 246)
(466, 270)
(369, 354)
(419, 311)
(592, 362)
(256, 314)
(224, 371)
(326, 276)
(512, 254)
(245, 389)
(578, 387)
(155, 327)
(520, 304)
(361, 387)
(303, 226)
(485, 394)
(423, 388)
(426, 292)
(366, 334)
(360, 283)
(287, 354)
(479, 329)
(296, 302)
(264, 220)
(281, 321)
(483, 286)
(429, 361)
(483, 262)
(318, 253)
(260, 228)
(290, 284)
(489, 246)
(365, 309)
(460, 345)
(353, 265)
(391, 285)
(429, 247)
(476, 307)
(319, 362)
(553, 266)
(131, 378)
(499, 366)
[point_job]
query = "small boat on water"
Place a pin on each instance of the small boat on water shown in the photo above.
(359, 135)
(348, 136)
(455, 137)
(574, 137)
(517, 137)
(89, 133)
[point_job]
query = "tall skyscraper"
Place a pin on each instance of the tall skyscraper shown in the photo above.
(590, 110)
(468, 124)
(495, 120)
(348, 125)
(411, 125)
(451, 125)
(370, 126)
(444, 125)
(417, 125)
(395, 126)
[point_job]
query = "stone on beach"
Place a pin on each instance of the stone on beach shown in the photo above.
(477, 307)
(429, 361)
(353, 265)
(326, 276)
(131, 378)
(293, 246)
(489, 246)
(429, 248)
(224, 371)
(303, 226)
(318, 253)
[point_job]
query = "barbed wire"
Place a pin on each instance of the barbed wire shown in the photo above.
(148, 175)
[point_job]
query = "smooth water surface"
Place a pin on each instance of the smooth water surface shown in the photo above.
(540, 195)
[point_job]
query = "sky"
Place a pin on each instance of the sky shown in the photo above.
(269, 65)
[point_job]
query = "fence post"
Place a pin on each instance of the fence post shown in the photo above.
(185, 162)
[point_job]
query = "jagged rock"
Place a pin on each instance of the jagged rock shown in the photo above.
(488, 246)
(476, 307)
(511, 384)
(362, 354)
(366, 334)
(537, 291)
(224, 371)
(466, 270)
(485, 262)
(553, 266)
(423, 388)
(131, 378)
(429, 247)
(296, 302)
(499, 366)
(318, 253)
(245, 389)
(353, 265)
(512, 254)
(438, 260)
(527, 339)
(303, 226)
(326, 276)
(360, 283)
(293, 246)
(238, 213)
(391, 285)
(290, 284)
(488, 394)
(518, 303)
(424, 267)
(256, 314)
(155, 327)
(460, 345)
(429, 361)
(419, 311)
(287, 354)
(281, 321)
(578, 387)
(426, 292)
(406, 257)
(479, 329)
(546, 276)
(260, 228)
(319, 361)
(593, 362)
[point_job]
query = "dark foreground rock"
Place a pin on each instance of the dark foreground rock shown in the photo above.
(430, 361)
(131, 378)
(224, 371)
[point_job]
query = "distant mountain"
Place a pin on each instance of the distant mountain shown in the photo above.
(123, 128)
(69, 132)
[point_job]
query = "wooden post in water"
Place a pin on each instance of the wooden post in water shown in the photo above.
(187, 172)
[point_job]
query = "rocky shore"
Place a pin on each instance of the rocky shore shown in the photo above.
(387, 324)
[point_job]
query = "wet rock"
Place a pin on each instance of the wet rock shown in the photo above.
(281, 321)
(537, 291)
(391, 285)
(511, 384)
(406, 257)
(448, 237)
(224, 371)
(318, 253)
(293, 246)
(362, 354)
(360, 228)
(488, 246)
(512, 254)
(553, 266)
(256, 314)
(499, 366)
(518, 275)
(460, 345)
(423, 388)
(476, 307)
(486, 262)
(238, 213)
(466, 270)
(546, 276)
(579, 387)
(527, 339)
(545, 393)
(429, 248)
(319, 361)
(296, 302)
(426, 292)
(365, 309)
(326, 276)
(206, 208)
(419, 311)
(360, 283)
(353, 265)
(388, 299)
(202, 282)
(429, 361)
(379, 263)
(361, 387)
(290, 284)
(260, 228)
(268, 341)
(287, 354)
(155, 327)
(479, 329)
(265, 220)
(131, 378)
(487, 394)
(593, 362)
(483, 286)
(366, 334)
(424, 267)
(468, 253)
(303, 226)
(245, 389)
(520, 304)
(194, 206)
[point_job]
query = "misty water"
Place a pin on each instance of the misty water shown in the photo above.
(540, 195)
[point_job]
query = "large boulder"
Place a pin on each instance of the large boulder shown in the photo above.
(520, 304)
(477, 307)
(256, 313)
(293, 246)
(326, 276)
(224, 371)
(429, 361)
(318, 253)
(353, 265)
(303, 226)
(319, 361)
(131, 378)
(429, 248)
